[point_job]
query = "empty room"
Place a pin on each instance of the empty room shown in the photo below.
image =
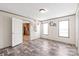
(39, 29)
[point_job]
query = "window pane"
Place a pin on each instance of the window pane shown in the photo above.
(45, 28)
(63, 28)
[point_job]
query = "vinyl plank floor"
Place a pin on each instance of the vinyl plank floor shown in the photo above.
(40, 47)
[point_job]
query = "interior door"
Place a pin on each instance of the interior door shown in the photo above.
(17, 31)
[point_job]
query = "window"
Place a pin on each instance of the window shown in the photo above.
(63, 28)
(45, 28)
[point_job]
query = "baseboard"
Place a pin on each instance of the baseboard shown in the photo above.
(59, 41)
(17, 45)
(4, 48)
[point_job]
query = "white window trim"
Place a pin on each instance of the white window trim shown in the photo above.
(43, 30)
(68, 29)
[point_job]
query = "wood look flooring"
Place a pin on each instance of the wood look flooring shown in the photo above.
(40, 47)
(26, 38)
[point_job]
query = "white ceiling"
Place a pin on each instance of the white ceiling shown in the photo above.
(32, 9)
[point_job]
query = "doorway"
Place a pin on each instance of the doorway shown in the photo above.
(26, 32)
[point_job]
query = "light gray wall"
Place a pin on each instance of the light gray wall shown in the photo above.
(53, 31)
(35, 33)
(5, 31)
(77, 28)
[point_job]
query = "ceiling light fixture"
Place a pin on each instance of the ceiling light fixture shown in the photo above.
(42, 10)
